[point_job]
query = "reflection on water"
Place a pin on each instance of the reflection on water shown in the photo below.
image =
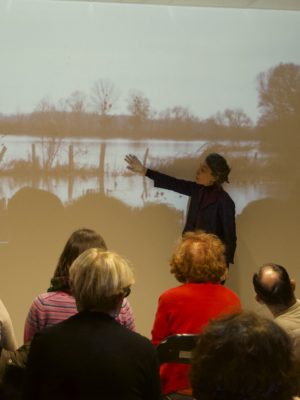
(128, 188)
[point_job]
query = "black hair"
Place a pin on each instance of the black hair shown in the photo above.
(244, 357)
(219, 167)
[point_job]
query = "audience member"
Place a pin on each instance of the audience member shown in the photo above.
(90, 355)
(7, 335)
(12, 365)
(199, 264)
(244, 357)
(275, 289)
(58, 303)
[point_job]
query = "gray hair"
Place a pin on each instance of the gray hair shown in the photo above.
(98, 278)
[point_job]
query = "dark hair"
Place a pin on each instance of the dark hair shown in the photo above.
(244, 357)
(78, 242)
(280, 293)
(219, 167)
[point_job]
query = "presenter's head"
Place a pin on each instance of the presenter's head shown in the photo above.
(214, 170)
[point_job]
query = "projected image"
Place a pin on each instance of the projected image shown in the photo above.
(80, 90)
(83, 84)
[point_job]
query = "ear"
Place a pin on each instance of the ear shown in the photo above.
(293, 284)
(119, 303)
(258, 299)
(214, 178)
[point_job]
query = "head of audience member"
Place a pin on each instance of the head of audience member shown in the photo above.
(274, 287)
(244, 357)
(79, 241)
(199, 258)
(100, 280)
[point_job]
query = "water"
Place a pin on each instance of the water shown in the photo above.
(117, 182)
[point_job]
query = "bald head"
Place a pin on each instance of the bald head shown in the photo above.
(269, 277)
(273, 286)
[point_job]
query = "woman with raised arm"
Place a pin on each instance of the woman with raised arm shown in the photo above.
(211, 209)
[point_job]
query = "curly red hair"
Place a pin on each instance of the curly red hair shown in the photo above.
(199, 257)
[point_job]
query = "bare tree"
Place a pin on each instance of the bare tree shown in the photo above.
(45, 105)
(138, 105)
(49, 148)
(2, 152)
(76, 102)
(62, 105)
(236, 118)
(178, 113)
(104, 97)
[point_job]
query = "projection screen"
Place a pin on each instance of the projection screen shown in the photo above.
(82, 84)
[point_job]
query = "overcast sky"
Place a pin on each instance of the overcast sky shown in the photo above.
(200, 58)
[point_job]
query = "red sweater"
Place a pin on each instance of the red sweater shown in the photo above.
(187, 309)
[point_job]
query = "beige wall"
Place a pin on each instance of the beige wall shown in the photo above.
(40, 225)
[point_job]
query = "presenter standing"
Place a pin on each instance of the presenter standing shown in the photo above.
(211, 209)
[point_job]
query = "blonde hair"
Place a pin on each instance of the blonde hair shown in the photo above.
(98, 278)
(199, 257)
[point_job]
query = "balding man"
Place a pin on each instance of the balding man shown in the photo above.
(275, 289)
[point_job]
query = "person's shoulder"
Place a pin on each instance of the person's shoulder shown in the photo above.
(3, 312)
(173, 292)
(137, 339)
(50, 302)
(57, 328)
(225, 195)
(225, 198)
(56, 297)
(225, 292)
(2, 306)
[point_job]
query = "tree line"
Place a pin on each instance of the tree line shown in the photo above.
(95, 115)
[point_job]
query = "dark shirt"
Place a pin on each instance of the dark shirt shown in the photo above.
(91, 356)
(211, 209)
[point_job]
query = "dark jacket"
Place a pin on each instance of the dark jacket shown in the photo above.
(211, 209)
(91, 356)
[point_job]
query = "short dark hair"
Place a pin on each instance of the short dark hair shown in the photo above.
(281, 293)
(219, 167)
(244, 357)
(79, 241)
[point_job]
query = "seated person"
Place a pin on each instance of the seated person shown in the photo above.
(244, 356)
(276, 290)
(58, 303)
(199, 263)
(7, 335)
(90, 355)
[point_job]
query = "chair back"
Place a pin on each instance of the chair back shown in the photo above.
(177, 348)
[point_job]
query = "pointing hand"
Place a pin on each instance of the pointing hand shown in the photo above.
(135, 165)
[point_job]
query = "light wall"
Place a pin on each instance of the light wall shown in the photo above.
(35, 224)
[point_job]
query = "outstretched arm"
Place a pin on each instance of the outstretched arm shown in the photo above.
(161, 180)
(135, 165)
